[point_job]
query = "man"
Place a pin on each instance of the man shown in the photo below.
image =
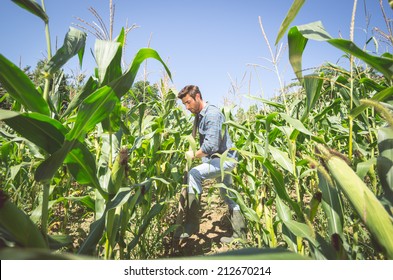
(213, 141)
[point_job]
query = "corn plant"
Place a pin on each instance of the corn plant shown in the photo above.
(64, 138)
(314, 174)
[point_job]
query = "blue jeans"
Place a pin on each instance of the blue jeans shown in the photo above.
(210, 169)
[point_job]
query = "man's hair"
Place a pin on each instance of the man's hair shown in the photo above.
(191, 90)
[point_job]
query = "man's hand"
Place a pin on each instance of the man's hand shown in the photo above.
(190, 155)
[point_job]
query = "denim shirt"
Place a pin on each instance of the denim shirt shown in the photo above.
(212, 138)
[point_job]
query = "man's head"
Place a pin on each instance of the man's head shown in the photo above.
(192, 98)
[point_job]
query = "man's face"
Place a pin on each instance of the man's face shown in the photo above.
(192, 105)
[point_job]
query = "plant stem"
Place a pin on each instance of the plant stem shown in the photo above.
(49, 51)
(46, 186)
(45, 211)
(275, 59)
(350, 146)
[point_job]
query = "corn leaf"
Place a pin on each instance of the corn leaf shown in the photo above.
(297, 44)
(19, 225)
(93, 110)
(293, 11)
(380, 96)
(320, 248)
(81, 164)
(86, 200)
(280, 189)
(265, 101)
(316, 31)
(363, 167)
(95, 234)
(90, 87)
(21, 88)
(124, 83)
(32, 7)
(154, 211)
(331, 204)
(47, 169)
(43, 131)
(282, 158)
(253, 254)
(312, 86)
(74, 43)
(284, 213)
(108, 58)
(385, 161)
(298, 125)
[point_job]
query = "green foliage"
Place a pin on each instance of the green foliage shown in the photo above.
(116, 151)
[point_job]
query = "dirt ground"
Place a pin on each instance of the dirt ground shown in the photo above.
(214, 224)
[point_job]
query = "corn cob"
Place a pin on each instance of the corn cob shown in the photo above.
(368, 207)
(119, 170)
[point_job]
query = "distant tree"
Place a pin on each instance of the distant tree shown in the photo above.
(142, 91)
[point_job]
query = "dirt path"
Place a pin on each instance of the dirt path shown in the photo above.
(214, 224)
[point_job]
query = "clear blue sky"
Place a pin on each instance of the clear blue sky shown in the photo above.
(208, 43)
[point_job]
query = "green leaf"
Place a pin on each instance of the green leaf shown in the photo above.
(284, 213)
(90, 86)
(316, 31)
(297, 43)
(21, 88)
(293, 11)
(108, 58)
(380, 96)
(312, 86)
(93, 110)
(86, 200)
(381, 64)
(19, 225)
(385, 161)
(154, 211)
(363, 167)
(268, 102)
(47, 169)
(43, 131)
(253, 254)
(296, 124)
(331, 204)
(82, 166)
(321, 249)
(32, 7)
(121, 38)
(95, 234)
(113, 121)
(124, 83)
(79, 160)
(282, 159)
(74, 43)
(236, 125)
(280, 188)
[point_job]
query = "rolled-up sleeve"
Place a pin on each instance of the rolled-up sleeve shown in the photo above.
(211, 130)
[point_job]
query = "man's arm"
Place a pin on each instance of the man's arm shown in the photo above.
(198, 154)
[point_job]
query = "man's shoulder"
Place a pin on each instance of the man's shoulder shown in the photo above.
(213, 113)
(212, 109)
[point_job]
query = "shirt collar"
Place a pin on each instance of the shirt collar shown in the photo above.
(203, 111)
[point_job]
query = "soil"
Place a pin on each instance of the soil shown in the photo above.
(214, 224)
